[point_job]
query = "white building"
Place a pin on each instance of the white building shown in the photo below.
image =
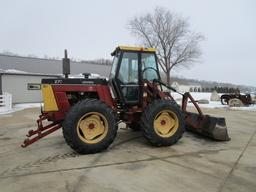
(186, 88)
(24, 87)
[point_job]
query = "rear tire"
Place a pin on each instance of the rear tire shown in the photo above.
(162, 123)
(224, 99)
(90, 126)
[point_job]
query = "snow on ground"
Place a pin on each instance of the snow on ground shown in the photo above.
(212, 104)
(19, 107)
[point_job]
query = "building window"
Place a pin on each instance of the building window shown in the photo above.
(34, 86)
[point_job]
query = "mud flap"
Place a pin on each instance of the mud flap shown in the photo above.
(212, 127)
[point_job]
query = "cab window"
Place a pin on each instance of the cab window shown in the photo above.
(149, 66)
(114, 66)
(128, 73)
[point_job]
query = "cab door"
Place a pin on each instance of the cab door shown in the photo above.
(128, 77)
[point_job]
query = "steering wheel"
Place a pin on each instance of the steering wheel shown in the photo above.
(147, 68)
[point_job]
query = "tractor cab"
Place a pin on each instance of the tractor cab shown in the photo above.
(131, 67)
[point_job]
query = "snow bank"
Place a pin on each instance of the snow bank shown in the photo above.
(13, 71)
(212, 104)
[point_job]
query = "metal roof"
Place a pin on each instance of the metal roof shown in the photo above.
(23, 73)
(49, 66)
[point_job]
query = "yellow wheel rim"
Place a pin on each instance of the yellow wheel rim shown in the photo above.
(166, 123)
(92, 127)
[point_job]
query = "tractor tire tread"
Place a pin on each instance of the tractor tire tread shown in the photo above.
(147, 127)
(70, 123)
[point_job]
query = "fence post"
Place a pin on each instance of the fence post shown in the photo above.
(8, 101)
(5, 102)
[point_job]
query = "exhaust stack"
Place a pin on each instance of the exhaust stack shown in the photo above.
(66, 64)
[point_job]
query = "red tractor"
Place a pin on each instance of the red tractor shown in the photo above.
(90, 109)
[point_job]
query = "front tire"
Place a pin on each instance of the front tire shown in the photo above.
(90, 126)
(163, 123)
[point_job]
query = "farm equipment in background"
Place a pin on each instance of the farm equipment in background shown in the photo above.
(89, 109)
(236, 100)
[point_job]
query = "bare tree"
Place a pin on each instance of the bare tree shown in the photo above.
(177, 46)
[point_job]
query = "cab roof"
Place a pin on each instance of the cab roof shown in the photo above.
(128, 48)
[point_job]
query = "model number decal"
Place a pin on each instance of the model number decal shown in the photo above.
(87, 82)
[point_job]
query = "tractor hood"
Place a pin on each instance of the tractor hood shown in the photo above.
(77, 81)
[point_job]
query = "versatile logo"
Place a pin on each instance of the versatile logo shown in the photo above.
(58, 81)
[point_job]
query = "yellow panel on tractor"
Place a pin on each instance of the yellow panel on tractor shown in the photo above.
(127, 48)
(49, 98)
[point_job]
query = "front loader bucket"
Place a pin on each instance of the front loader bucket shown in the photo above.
(212, 127)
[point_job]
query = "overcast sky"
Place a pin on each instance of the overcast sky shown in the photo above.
(92, 29)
